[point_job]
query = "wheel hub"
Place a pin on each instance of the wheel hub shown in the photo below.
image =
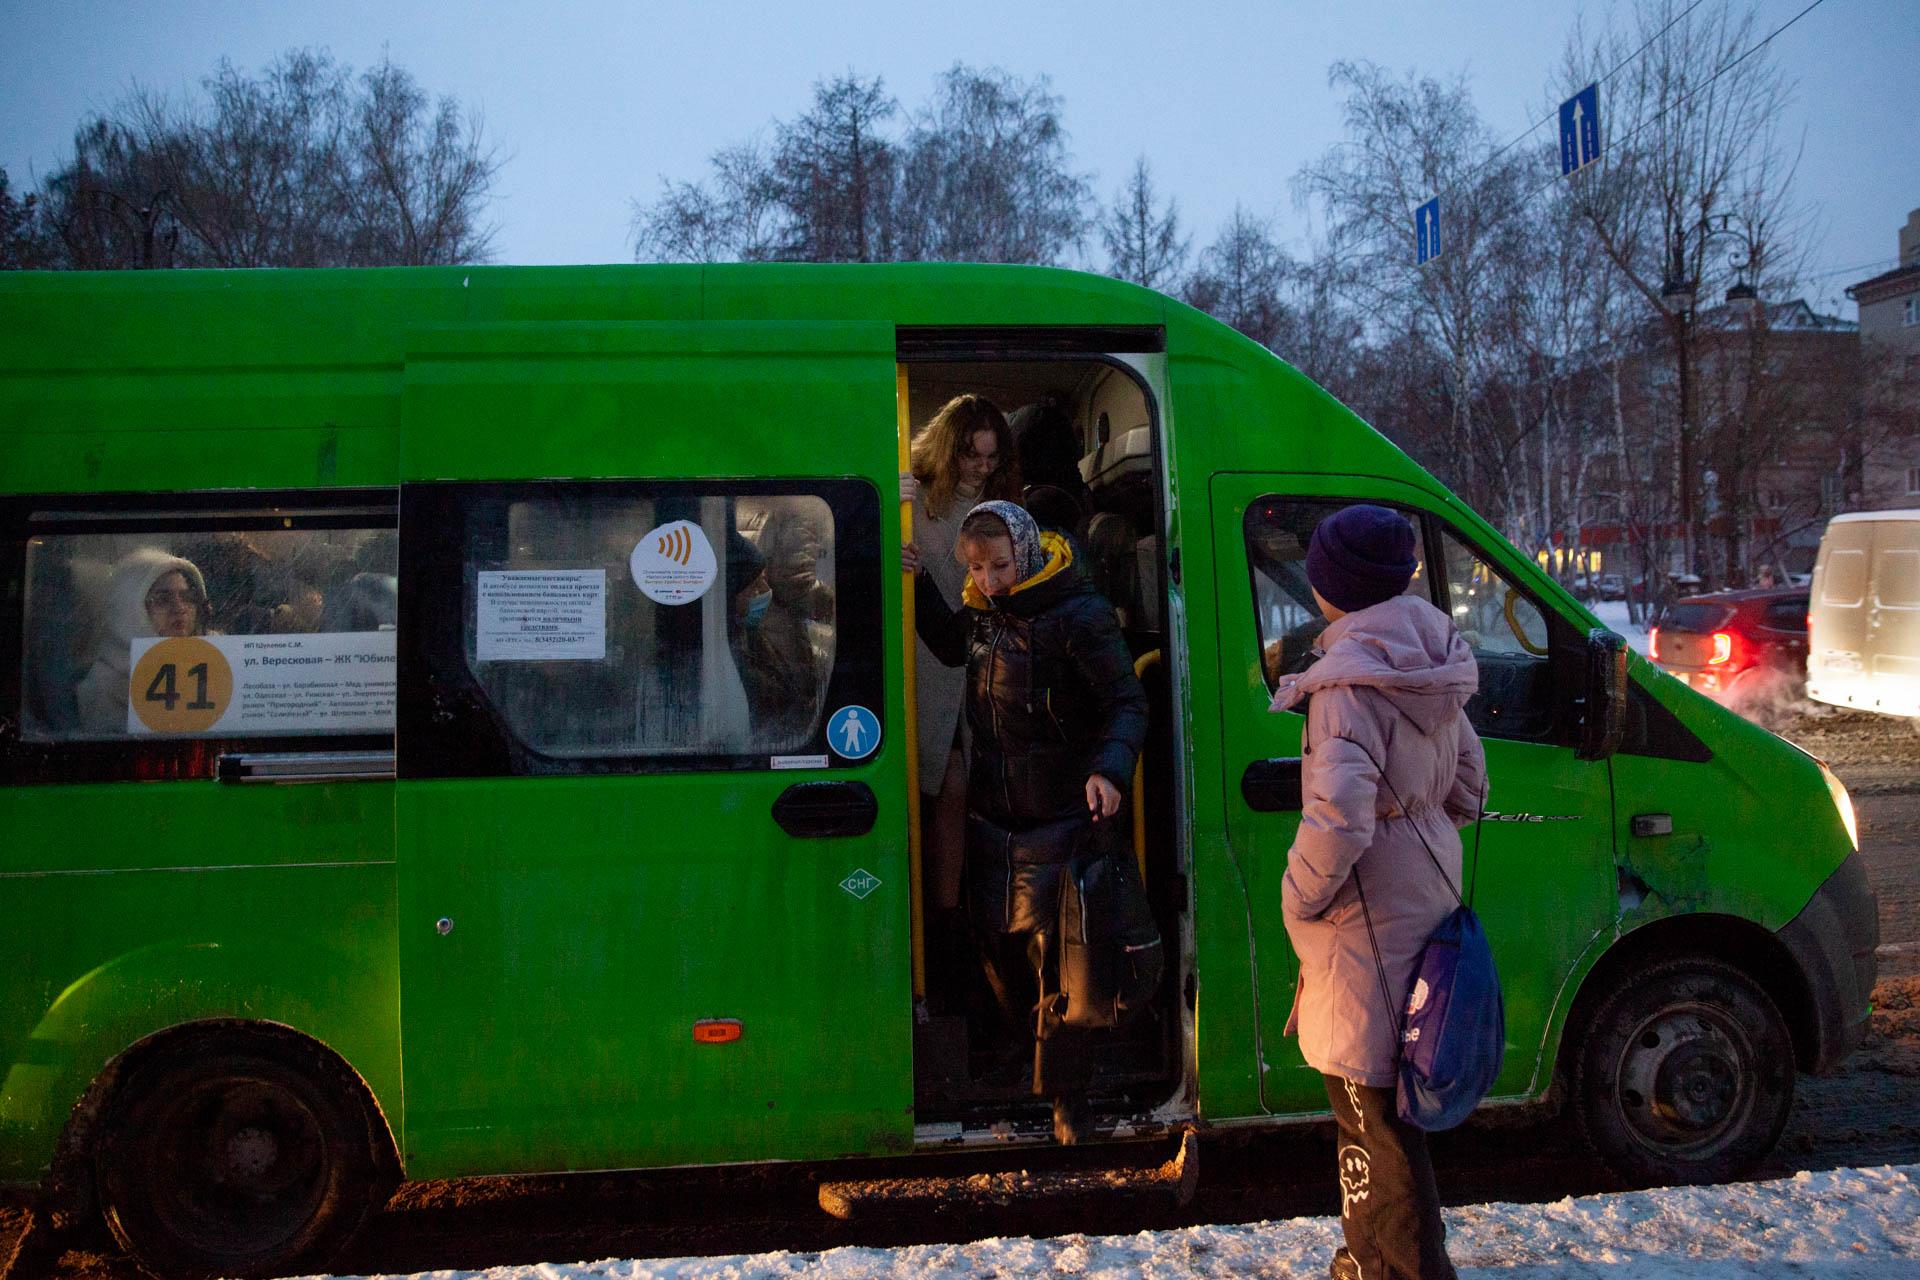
(251, 1151)
(1685, 1078)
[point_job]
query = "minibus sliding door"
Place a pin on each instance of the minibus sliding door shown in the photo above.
(651, 799)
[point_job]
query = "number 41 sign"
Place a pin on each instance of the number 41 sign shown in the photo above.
(326, 682)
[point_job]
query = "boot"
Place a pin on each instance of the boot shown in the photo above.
(1069, 1120)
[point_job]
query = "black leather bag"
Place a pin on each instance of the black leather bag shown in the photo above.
(1111, 957)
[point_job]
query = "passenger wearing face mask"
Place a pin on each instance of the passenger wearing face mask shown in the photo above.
(965, 454)
(150, 593)
(780, 666)
(1058, 719)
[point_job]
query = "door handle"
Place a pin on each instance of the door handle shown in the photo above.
(823, 810)
(1272, 786)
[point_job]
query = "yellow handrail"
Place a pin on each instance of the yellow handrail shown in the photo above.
(903, 428)
(1140, 667)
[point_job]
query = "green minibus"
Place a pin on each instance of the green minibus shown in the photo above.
(402, 776)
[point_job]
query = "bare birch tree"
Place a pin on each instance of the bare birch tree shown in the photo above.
(302, 165)
(987, 175)
(1407, 140)
(1695, 107)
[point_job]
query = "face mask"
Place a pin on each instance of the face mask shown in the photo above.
(757, 608)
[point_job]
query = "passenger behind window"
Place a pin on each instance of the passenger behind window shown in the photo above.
(366, 602)
(151, 593)
(783, 668)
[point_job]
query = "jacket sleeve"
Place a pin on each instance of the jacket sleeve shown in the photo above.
(941, 628)
(1467, 797)
(1098, 651)
(1339, 786)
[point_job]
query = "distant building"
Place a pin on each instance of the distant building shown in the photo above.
(1776, 414)
(1890, 336)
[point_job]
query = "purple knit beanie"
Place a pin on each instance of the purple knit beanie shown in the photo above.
(1360, 556)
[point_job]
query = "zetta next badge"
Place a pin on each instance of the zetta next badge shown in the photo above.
(853, 732)
(861, 883)
(674, 563)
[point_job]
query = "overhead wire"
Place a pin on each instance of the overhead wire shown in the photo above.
(1535, 127)
(1646, 124)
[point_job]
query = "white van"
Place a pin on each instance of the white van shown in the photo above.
(1863, 643)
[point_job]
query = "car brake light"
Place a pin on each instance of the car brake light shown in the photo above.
(1722, 648)
(1653, 643)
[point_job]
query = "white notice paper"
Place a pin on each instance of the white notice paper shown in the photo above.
(539, 615)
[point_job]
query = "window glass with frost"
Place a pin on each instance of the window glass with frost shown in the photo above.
(584, 646)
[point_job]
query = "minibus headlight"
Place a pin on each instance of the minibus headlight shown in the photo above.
(1843, 802)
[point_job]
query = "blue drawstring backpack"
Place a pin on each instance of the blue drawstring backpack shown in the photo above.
(1453, 1035)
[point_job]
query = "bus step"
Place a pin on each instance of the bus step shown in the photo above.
(1178, 1176)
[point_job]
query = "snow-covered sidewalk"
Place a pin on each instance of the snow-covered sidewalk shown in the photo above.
(1848, 1224)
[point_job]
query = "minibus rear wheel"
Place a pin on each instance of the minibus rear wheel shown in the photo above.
(1684, 1074)
(239, 1153)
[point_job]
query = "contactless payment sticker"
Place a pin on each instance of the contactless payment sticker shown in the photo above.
(853, 732)
(674, 564)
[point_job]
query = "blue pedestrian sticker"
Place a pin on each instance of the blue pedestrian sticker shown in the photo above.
(853, 732)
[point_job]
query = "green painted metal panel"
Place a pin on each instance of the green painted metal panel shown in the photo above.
(186, 902)
(596, 919)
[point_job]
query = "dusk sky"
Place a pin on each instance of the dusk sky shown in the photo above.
(592, 103)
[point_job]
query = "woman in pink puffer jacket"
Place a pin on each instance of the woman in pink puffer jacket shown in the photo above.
(1387, 697)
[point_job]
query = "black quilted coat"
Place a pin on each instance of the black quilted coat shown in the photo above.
(1051, 694)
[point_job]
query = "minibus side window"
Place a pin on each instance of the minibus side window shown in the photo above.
(737, 665)
(1509, 637)
(639, 626)
(1277, 531)
(149, 627)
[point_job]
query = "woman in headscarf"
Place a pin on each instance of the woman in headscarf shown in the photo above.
(1058, 719)
(151, 593)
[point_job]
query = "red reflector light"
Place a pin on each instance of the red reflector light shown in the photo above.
(1653, 643)
(716, 1031)
(1722, 648)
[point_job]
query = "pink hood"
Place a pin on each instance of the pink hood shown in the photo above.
(1403, 647)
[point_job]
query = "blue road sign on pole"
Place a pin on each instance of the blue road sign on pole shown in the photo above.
(1580, 130)
(1426, 232)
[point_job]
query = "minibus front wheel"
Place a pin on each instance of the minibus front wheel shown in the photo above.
(237, 1152)
(1684, 1074)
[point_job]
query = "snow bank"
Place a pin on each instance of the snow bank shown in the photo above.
(1849, 1224)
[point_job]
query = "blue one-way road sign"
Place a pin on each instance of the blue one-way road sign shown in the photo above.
(1580, 130)
(1426, 232)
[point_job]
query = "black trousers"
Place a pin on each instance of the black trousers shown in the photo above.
(1389, 1203)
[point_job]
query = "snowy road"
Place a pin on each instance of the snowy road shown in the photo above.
(1850, 1224)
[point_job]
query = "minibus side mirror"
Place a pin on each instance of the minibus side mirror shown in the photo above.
(1603, 705)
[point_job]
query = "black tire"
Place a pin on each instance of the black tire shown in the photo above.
(236, 1154)
(1684, 1075)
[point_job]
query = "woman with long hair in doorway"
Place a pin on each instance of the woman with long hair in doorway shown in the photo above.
(964, 455)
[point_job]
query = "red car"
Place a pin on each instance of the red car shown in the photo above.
(1731, 640)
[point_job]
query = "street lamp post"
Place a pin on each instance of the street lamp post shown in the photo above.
(1679, 293)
